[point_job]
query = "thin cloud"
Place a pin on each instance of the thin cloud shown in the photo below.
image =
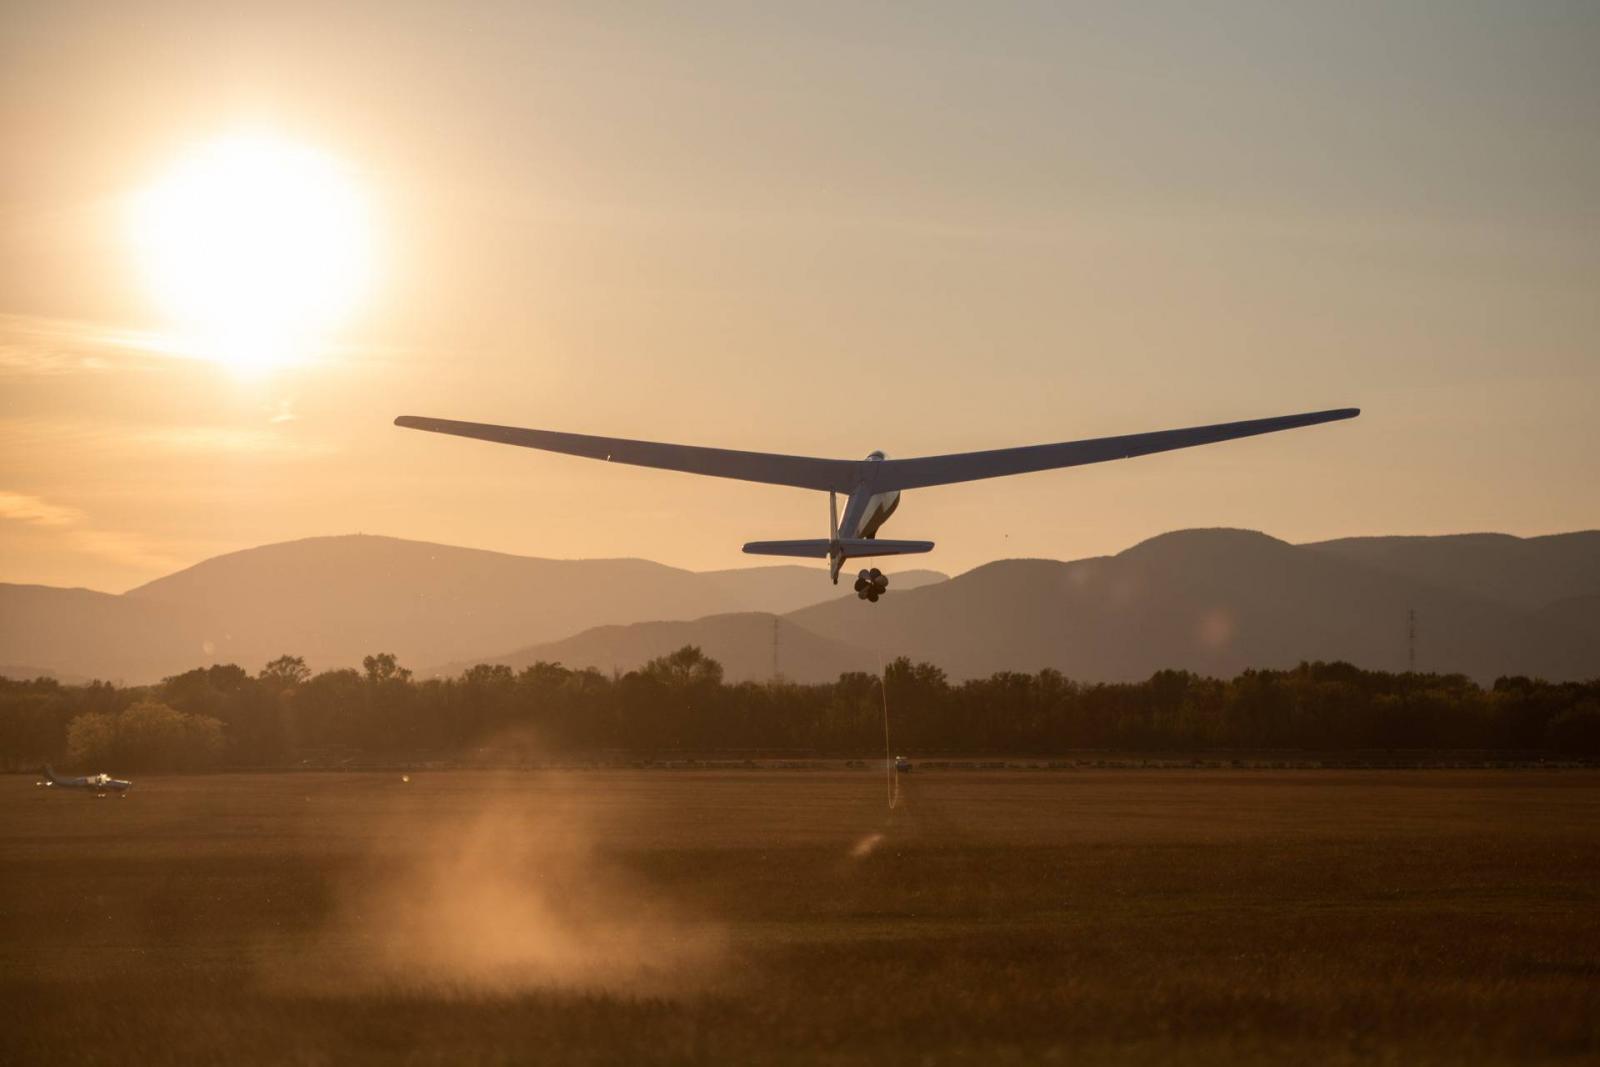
(20, 507)
(31, 346)
(67, 527)
(231, 439)
(262, 440)
(36, 346)
(123, 548)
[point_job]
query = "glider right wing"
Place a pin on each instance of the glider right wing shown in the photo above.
(892, 474)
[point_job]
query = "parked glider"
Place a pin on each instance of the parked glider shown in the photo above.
(872, 486)
(97, 784)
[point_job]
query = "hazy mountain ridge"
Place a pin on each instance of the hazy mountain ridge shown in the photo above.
(789, 587)
(336, 599)
(72, 633)
(1213, 601)
(1526, 572)
(743, 643)
(1209, 600)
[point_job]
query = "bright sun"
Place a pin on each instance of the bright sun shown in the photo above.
(256, 247)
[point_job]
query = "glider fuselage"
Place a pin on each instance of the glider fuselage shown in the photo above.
(867, 509)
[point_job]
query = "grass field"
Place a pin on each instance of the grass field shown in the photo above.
(768, 916)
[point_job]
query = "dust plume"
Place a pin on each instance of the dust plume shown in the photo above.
(503, 899)
(866, 846)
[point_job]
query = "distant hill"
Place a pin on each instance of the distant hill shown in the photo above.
(742, 643)
(1575, 624)
(783, 589)
(1214, 601)
(334, 600)
(76, 633)
(1525, 572)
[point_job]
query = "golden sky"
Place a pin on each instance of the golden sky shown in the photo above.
(818, 229)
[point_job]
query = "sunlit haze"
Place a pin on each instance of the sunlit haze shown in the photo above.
(255, 247)
(238, 240)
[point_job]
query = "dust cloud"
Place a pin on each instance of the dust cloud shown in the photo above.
(506, 899)
(866, 846)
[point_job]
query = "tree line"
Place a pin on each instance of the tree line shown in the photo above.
(679, 704)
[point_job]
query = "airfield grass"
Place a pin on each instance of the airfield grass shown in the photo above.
(787, 916)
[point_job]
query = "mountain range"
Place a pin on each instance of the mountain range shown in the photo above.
(334, 600)
(1214, 601)
(1220, 601)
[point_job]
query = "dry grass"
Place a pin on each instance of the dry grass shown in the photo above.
(659, 917)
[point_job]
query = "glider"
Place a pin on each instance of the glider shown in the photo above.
(95, 784)
(871, 486)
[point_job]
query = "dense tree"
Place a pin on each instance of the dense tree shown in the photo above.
(148, 735)
(285, 672)
(1577, 729)
(686, 667)
(679, 703)
(384, 668)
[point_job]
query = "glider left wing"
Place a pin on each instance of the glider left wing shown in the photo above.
(803, 472)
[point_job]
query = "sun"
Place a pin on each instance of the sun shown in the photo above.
(257, 248)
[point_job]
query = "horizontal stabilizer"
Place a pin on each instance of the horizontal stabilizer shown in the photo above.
(854, 547)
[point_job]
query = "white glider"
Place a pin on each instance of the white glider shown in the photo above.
(872, 485)
(96, 784)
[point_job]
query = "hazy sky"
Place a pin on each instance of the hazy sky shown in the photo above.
(822, 230)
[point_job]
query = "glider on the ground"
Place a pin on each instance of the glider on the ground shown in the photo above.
(95, 784)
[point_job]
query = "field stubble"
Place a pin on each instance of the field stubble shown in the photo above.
(638, 916)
